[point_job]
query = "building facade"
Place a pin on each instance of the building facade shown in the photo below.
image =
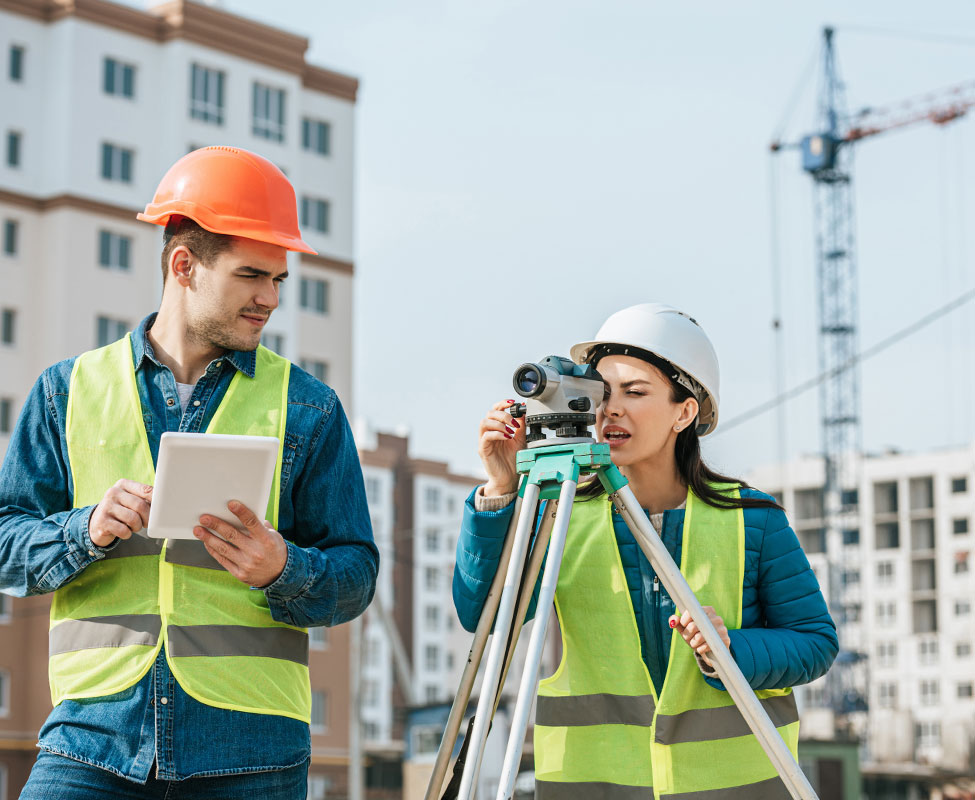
(98, 100)
(904, 598)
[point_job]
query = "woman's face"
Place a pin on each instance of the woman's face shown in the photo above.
(638, 416)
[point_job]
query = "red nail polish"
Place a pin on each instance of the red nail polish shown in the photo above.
(509, 436)
(509, 429)
(509, 401)
(515, 423)
(673, 623)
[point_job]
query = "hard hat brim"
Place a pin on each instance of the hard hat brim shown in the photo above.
(244, 228)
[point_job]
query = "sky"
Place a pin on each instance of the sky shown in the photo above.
(526, 169)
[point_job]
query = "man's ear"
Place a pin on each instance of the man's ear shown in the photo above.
(181, 263)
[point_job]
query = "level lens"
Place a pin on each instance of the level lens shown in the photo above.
(529, 380)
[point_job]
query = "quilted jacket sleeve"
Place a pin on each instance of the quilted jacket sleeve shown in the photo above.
(479, 548)
(798, 642)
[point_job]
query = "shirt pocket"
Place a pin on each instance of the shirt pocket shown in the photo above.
(293, 444)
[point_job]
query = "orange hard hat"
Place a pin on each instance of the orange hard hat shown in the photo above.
(232, 191)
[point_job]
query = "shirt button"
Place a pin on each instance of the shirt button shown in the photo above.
(91, 553)
(217, 363)
(196, 402)
(164, 700)
(170, 402)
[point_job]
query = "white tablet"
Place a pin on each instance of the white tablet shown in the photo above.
(199, 473)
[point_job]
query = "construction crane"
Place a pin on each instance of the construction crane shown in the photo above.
(827, 156)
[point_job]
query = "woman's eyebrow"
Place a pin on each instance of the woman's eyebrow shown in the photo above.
(628, 384)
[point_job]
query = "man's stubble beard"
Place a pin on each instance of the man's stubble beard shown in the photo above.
(211, 330)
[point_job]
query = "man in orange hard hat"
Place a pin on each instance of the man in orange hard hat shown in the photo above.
(182, 670)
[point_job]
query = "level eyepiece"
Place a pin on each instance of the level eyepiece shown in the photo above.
(530, 380)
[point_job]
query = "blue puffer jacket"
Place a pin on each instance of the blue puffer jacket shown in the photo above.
(787, 637)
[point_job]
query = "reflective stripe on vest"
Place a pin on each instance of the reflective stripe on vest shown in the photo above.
(108, 624)
(596, 706)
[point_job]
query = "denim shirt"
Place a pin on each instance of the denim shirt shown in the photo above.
(329, 576)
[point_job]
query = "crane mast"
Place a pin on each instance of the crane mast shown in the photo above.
(829, 161)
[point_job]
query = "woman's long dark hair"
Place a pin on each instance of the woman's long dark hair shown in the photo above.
(697, 475)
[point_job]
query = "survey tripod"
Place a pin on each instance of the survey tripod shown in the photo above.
(551, 472)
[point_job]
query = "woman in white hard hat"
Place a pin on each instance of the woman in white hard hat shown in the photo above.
(634, 709)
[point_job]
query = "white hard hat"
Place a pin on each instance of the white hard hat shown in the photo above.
(673, 336)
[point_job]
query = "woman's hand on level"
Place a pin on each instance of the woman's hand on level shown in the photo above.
(688, 629)
(500, 437)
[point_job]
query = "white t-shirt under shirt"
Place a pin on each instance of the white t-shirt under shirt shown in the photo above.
(185, 391)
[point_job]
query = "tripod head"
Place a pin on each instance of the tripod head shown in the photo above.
(560, 396)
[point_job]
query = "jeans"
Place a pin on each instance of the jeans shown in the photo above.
(57, 777)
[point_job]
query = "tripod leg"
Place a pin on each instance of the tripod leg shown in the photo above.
(502, 625)
(546, 597)
(457, 711)
(459, 707)
(528, 585)
(749, 705)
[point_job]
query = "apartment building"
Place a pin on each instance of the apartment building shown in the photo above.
(904, 592)
(99, 99)
(416, 507)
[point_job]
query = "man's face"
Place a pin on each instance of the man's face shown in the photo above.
(233, 296)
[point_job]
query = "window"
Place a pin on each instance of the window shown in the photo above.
(318, 786)
(432, 540)
(8, 326)
(6, 426)
(849, 498)
(273, 341)
(117, 163)
(267, 113)
(431, 498)
(886, 613)
(4, 693)
(962, 608)
(885, 573)
(450, 660)
(851, 536)
(964, 691)
(314, 214)
(314, 295)
(370, 731)
(963, 649)
(809, 504)
(114, 251)
(317, 638)
(372, 486)
(315, 368)
(431, 692)
(206, 94)
(11, 229)
(431, 657)
(929, 693)
(961, 562)
(887, 535)
(431, 578)
(119, 78)
(959, 485)
(887, 694)
(885, 498)
(851, 577)
(316, 136)
(928, 651)
(851, 612)
(371, 657)
(319, 711)
(16, 64)
(921, 492)
(432, 616)
(14, 139)
(887, 654)
(5, 604)
(370, 693)
(959, 526)
(927, 734)
(108, 330)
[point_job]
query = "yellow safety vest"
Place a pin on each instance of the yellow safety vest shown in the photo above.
(109, 623)
(601, 732)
